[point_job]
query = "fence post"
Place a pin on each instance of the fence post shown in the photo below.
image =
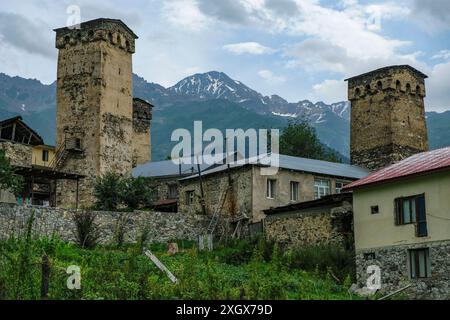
(45, 276)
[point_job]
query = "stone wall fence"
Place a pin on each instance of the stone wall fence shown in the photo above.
(57, 222)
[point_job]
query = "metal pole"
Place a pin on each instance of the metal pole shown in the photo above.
(202, 200)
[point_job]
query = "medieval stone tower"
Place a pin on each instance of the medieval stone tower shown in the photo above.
(95, 106)
(387, 116)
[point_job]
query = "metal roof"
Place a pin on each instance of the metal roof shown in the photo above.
(419, 164)
(303, 165)
(171, 168)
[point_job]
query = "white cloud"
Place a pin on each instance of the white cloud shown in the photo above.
(443, 54)
(271, 78)
(248, 48)
(185, 14)
(438, 88)
(330, 91)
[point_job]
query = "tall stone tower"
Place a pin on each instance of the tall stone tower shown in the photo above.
(94, 104)
(387, 116)
(142, 116)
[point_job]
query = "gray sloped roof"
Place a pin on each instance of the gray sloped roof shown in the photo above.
(169, 168)
(304, 165)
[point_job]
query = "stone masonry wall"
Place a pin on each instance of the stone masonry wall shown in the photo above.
(49, 222)
(395, 274)
(94, 103)
(308, 228)
(18, 154)
(387, 116)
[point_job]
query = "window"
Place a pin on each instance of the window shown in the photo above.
(375, 209)
(190, 195)
(173, 191)
(45, 155)
(419, 263)
(271, 192)
(339, 186)
(294, 190)
(412, 210)
(321, 188)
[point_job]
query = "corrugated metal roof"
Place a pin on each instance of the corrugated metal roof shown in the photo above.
(421, 163)
(304, 165)
(169, 168)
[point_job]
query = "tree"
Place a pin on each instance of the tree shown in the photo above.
(8, 179)
(108, 191)
(138, 192)
(299, 139)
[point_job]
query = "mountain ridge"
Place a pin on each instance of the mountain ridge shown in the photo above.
(37, 103)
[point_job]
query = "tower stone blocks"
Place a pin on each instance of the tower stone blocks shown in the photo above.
(142, 116)
(387, 116)
(94, 103)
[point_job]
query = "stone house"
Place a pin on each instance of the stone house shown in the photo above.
(325, 221)
(33, 160)
(165, 176)
(242, 190)
(402, 225)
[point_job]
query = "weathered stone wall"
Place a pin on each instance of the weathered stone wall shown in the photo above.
(237, 202)
(142, 116)
(394, 264)
(310, 227)
(49, 222)
(94, 103)
(18, 154)
(387, 117)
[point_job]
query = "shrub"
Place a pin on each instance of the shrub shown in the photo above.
(323, 259)
(87, 232)
(137, 192)
(108, 191)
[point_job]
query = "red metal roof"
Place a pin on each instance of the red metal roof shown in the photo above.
(421, 163)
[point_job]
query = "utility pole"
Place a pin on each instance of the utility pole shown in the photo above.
(202, 193)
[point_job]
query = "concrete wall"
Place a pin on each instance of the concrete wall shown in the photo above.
(379, 230)
(59, 222)
(37, 155)
(283, 189)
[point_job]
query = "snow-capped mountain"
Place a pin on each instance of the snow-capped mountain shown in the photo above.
(217, 85)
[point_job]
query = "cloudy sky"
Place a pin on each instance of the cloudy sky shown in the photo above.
(298, 49)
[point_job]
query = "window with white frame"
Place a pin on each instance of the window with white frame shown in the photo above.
(321, 188)
(294, 190)
(339, 186)
(271, 188)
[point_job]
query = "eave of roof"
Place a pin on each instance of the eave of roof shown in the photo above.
(327, 200)
(101, 21)
(405, 66)
(420, 164)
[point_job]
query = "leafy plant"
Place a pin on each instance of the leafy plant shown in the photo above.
(9, 180)
(299, 139)
(87, 233)
(108, 191)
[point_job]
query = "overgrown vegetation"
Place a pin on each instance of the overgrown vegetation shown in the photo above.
(243, 270)
(115, 192)
(299, 139)
(8, 180)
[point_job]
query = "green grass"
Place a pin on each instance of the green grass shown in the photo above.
(111, 273)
